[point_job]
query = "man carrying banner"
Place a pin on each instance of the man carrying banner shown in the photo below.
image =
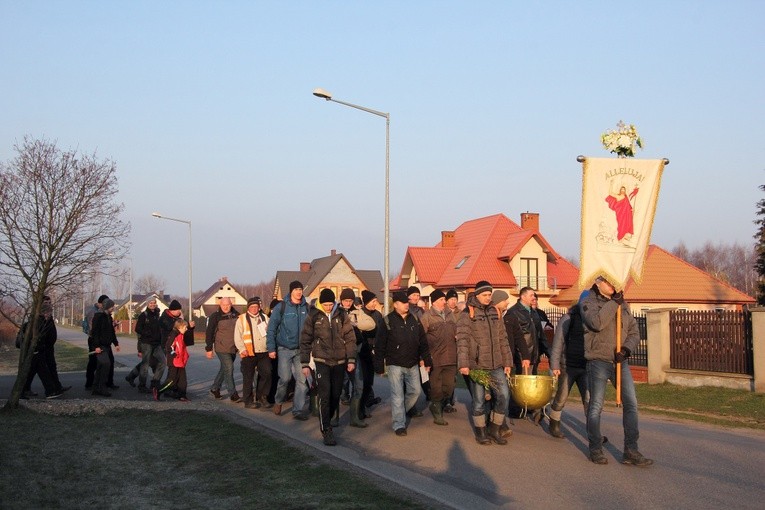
(600, 314)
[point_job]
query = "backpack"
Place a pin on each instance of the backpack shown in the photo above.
(20, 334)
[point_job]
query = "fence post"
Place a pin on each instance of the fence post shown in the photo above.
(758, 348)
(657, 326)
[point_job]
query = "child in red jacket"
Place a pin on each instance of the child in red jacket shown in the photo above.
(176, 375)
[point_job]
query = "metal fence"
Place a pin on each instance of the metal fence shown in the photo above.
(711, 341)
(638, 358)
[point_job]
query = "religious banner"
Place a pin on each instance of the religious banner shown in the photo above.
(619, 198)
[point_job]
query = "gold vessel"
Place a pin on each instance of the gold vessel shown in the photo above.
(532, 391)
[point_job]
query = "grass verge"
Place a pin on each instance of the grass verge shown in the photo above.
(168, 459)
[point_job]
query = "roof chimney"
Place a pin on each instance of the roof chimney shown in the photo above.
(305, 267)
(447, 238)
(530, 221)
(333, 253)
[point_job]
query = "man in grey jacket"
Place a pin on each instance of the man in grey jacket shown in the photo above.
(599, 310)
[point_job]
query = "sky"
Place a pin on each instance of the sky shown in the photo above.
(207, 110)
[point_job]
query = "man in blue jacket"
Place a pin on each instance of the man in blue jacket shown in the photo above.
(283, 343)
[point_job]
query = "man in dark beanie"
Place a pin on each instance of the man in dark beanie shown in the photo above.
(365, 370)
(103, 338)
(401, 344)
(328, 336)
(413, 295)
(482, 346)
(283, 342)
(90, 370)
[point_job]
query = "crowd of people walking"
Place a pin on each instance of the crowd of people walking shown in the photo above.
(320, 354)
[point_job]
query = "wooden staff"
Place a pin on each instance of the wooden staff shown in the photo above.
(619, 348)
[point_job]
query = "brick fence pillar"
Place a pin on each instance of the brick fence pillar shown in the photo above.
(657, 324)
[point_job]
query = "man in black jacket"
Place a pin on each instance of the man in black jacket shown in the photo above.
(328, 336)
(103, 337)
(151, 342)
(401, 344)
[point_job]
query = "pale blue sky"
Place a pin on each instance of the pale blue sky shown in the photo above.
(206, 107)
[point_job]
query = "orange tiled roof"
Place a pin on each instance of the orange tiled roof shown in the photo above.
(669, 279)
(486, 244)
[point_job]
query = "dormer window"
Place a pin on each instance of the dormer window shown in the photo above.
(462, 262)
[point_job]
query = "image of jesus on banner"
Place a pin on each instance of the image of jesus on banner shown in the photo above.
(621, 204)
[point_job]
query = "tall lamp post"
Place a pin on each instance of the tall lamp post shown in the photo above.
(187, 222)
(323, 94)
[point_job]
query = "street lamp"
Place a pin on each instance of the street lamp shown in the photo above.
(187, 222)
(323, 94)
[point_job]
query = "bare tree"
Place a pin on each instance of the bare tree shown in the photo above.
(264, 290)
(733, 264)
(149, 283)
(58, 219)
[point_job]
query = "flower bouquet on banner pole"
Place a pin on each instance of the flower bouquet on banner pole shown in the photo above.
(619, 197)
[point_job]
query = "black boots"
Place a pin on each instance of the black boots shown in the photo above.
(555, 429)
(329, 438)
(356, 420)
(495, 435)
(480, 436)
(436, 409)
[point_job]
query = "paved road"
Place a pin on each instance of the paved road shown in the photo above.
(697, 466)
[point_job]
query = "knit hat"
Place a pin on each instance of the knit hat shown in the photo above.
(295, 285)
(367, 296)
(326, 296)
(412, 290)
(175, 305)
(102, 297)
(107, 303)
(347, 293)
(452, 293)
(482, 286)
(400, 297)
(253, 301)
(499, 296)
(436, 295)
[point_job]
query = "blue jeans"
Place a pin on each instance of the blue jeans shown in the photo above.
(500, 395)
(400, 403)
(598, 374)
(225, 372)
(288, 367)
(147, 352)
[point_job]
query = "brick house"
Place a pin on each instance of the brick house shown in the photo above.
(493, 248)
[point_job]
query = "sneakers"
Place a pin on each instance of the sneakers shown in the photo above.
(54, 395)
(235, 397)
(216, 394)
(130, 381)
(635, 458)
(300, 416)
(597, 457)
(448, 408)
(401, 432)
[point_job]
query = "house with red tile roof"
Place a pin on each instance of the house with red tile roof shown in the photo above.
(493, 248)
(671, 282)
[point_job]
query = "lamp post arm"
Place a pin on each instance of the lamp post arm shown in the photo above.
(362, 108)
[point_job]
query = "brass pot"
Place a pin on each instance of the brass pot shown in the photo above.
(533, 391)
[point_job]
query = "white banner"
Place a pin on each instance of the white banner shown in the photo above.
(619, 198)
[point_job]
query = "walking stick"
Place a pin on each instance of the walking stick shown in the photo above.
(619, 348)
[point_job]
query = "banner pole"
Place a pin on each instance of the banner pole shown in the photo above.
(619, 348)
